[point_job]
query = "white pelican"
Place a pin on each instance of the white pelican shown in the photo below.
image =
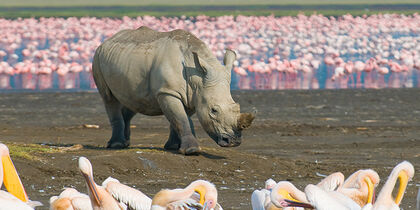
(332, 182)
(70, 199)
(16, 197)
(261, 198)
(418, 200)
(360, 186)
(109, 195)
(284, 194)
(199, 194)
(324, 197)
(131, 197)
(332, 200)
(404, 172)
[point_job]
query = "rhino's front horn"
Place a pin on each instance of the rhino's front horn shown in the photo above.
(245, 120)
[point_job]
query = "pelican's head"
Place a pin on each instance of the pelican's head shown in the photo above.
(87, 172)
(370, 179)
(207, 192)
(269, 184)
(85, 166)
(9, 175)
(281, 196)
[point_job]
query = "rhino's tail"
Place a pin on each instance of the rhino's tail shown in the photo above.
(99, 78)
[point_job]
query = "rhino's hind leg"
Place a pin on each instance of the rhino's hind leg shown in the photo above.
(114, 110)
(180, 126)
(127, 116)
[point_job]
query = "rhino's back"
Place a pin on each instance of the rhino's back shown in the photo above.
(146, 36)
(126, 61)
(130, 61)
(129, 58)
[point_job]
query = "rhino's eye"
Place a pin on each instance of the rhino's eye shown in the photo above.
(213, 110)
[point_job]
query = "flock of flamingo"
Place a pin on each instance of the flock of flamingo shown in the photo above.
(331, 193)
(303, 52)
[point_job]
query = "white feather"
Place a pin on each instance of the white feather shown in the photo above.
(8, 201)
(259, 199)
(418, 200)
(186, 204)
(322, 200)
(131, 197)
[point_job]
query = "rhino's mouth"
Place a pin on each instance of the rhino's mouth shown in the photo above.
(227, 140)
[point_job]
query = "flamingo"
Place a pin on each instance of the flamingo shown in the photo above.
(199, 194)
(112, 194)
(16, 197)
(403, 172)
(70, 199)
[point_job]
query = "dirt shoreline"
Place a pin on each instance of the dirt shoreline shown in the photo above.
(296, 135)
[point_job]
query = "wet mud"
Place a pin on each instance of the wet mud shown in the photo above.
(297, 136)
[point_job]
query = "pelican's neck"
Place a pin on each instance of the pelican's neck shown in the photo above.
(296, 193)
(185, 193)
(349, 183)
(386, 191)
(1, 171)
(164, 197)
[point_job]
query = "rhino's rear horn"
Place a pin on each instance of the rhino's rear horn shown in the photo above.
(245, 120)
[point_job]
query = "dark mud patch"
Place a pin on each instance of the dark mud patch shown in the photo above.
(296, 135)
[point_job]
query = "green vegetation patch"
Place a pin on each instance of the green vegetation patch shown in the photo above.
(177, 12)
(66, 3)
(30, 151)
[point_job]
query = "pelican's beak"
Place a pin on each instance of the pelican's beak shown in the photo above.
(92, 188)
(403, 177)
(202, 192)
(371, 190)
(11, 179)
(291, 203)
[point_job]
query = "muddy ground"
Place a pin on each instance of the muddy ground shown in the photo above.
(296, 136)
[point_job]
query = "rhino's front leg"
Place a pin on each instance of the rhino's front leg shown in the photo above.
(181, 130)
(174, 142)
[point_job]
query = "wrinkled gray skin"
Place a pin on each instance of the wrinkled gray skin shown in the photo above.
(171, 73)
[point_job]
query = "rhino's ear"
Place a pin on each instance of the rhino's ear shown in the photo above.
(200, 64)
(230, 57)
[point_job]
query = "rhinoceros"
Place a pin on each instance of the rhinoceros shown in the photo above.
(171, 73)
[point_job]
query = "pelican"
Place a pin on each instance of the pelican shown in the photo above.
(404, 172)
(15, 197)
(323, 200)
(70, 199)
(324, 197)
(332, 182)
(131, 197)
(199, 194)
(360, 186)
(418, 200)
(285, 194)
(112, 195)
(260, 199)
